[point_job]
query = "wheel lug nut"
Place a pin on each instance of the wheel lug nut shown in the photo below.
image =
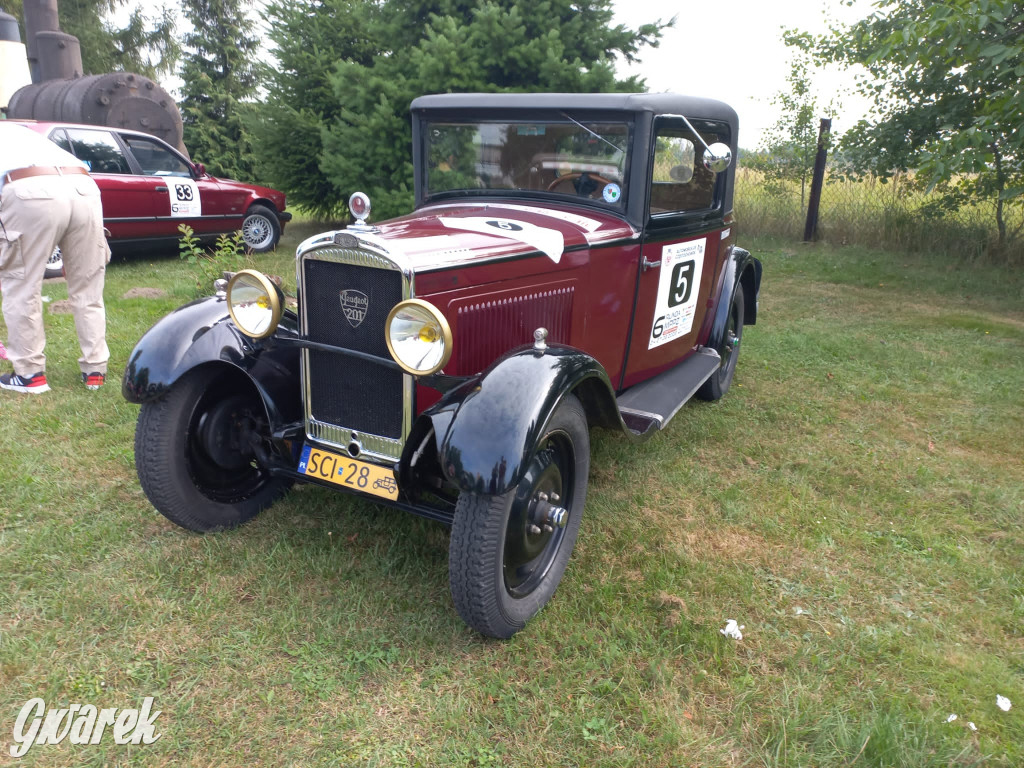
(555, 498)
(534, 530)
(542, 496)
(548, 529)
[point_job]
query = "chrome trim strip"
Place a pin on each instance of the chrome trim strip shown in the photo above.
(362, 249)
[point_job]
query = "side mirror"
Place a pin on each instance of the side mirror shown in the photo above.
(682, 174)
(717, 157)
(201, 169)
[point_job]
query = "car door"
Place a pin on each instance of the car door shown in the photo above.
(129, 208)
(181, 198)
(680, 252)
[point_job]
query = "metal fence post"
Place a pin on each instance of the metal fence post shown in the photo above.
(817, 181)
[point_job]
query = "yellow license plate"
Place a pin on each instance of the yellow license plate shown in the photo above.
(349, 473)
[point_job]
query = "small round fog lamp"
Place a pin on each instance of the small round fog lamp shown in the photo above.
(254, 303)
(419, 337)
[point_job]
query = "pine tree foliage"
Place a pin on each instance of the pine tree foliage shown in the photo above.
(146, 45)
(219, 85)
(396, 51)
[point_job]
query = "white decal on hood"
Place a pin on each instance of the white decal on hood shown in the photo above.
(548, 241)
(582, 222)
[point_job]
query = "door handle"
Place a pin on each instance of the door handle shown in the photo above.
(645, 264)
(160, 189)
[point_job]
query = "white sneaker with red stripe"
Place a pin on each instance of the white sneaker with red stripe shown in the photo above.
(33, 385)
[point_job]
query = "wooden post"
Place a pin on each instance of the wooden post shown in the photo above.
(817, 181)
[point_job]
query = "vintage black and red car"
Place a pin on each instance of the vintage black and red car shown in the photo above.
(570, 263)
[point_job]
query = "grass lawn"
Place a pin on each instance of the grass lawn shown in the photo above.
(856, 502)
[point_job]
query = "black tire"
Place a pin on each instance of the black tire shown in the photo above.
(729, 349)
(54, 265)
(190, 458)
(260, 229)
(500, 573)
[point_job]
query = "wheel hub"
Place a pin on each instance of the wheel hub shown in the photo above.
(536, 522)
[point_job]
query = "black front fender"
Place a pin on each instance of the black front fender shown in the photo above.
(202, 333)
(487, 429)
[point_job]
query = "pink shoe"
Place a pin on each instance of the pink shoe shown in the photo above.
(3, 351)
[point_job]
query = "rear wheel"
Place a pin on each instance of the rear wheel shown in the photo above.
(508, 552)
(729, 350)
(54, 265)
(260, 229)
(193, 452)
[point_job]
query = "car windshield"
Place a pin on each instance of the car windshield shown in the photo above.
(561, 156)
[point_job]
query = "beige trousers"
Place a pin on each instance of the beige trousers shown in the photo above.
(37, 214)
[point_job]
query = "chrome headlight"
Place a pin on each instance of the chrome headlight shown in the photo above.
(254, 303)
(419, 337)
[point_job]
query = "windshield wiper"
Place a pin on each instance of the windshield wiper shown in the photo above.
(595, 135)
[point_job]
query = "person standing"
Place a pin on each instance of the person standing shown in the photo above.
(47, 198)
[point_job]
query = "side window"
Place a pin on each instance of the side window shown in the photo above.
(156, 159)
(99, 150)
(679, 180)
(60, 138)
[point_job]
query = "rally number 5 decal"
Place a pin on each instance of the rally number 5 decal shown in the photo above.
(681, 266)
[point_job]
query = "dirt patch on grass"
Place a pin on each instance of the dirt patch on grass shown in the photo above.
(61, 307)
(144, 293)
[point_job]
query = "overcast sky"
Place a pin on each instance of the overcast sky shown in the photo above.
(732, 50)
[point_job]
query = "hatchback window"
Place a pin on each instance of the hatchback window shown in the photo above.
(99, 150)
(156, 159)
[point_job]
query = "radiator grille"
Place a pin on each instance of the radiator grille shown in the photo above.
(487, 329)
(344, 392)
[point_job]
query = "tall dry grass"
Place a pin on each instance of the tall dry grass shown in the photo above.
(894, 214)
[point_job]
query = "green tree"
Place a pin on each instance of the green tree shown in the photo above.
(789, 147)
(945, 79)
(219, 83)
(310, 37)
(438, 46)
(146, 45)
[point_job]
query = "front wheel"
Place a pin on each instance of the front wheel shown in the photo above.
(508, 552)
(260, 229)
(729, 350)
(193, 452)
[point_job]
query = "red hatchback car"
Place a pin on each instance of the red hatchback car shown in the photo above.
(149, 189)
(571, 263)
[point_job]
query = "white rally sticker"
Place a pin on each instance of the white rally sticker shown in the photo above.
(185, 200)
(678, 286)
(548, 241)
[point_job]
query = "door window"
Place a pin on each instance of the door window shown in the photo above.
(99, 150)
(156, 159)
(679, 180)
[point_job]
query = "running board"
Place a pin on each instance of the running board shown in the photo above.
(652, 404)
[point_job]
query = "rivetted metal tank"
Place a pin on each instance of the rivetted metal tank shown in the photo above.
(60, 93)
(116, 99)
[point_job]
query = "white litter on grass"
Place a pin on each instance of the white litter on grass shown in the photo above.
(732, 630)
(799, 611)
(972, 726)
(951, 718)
(1003, 703)
(46, 299)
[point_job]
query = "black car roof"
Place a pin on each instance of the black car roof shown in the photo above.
(655, 103)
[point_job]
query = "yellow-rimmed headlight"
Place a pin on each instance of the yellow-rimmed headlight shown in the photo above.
(254, 303)
(419, 337)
